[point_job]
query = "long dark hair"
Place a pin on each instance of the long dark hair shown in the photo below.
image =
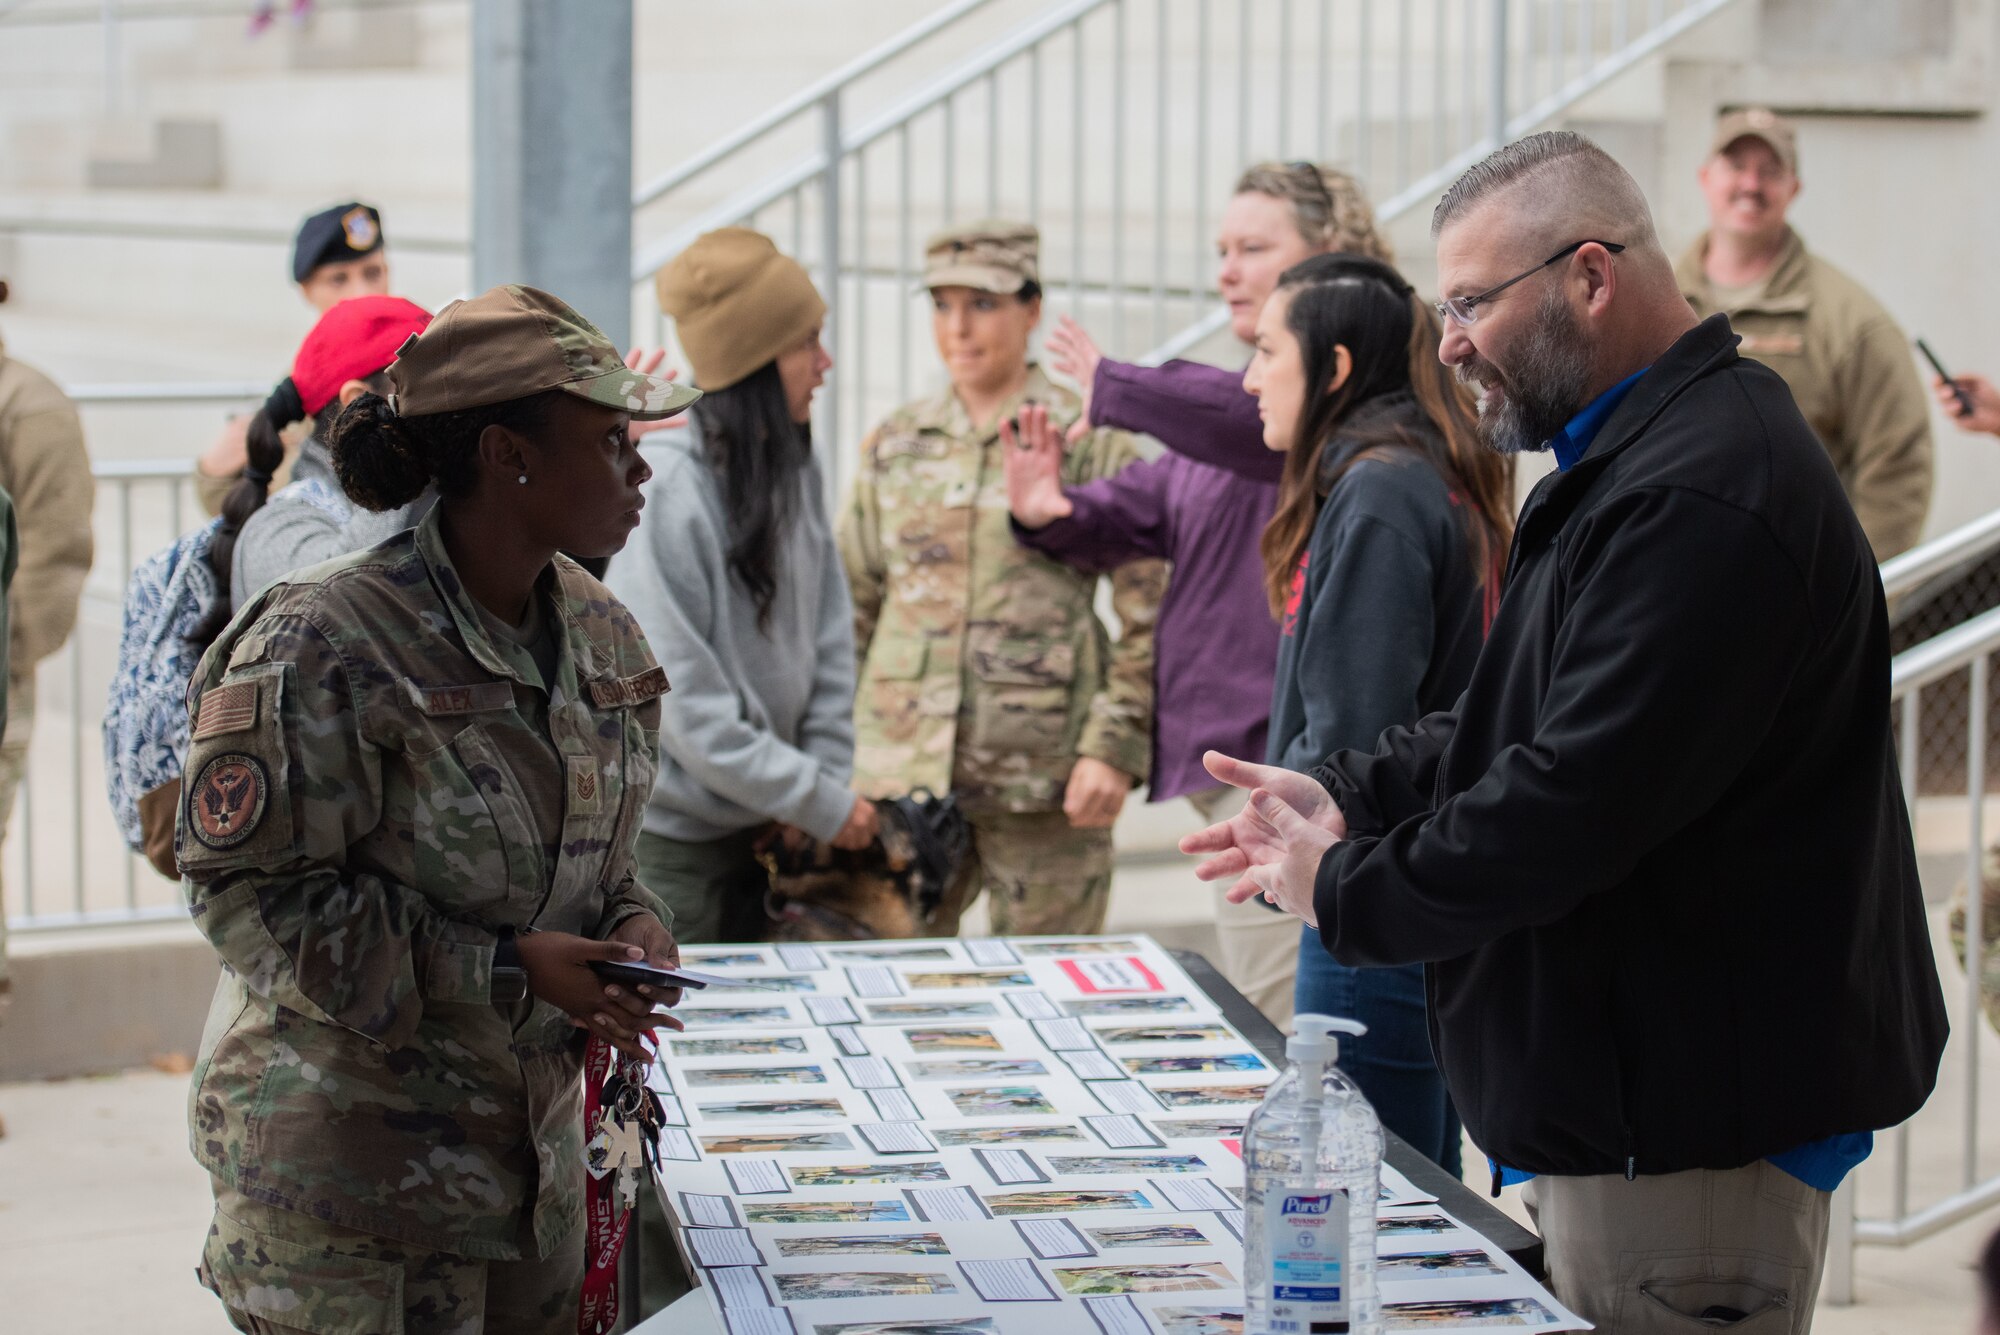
(1363, 305)
(264, 453)
(757, 451)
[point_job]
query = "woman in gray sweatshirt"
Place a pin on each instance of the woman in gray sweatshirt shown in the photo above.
(734, 578)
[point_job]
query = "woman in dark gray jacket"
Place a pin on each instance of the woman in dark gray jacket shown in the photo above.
(1382, 564)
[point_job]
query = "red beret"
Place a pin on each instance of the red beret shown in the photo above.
(352, 341)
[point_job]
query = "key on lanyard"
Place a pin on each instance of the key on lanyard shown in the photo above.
(628, 1133)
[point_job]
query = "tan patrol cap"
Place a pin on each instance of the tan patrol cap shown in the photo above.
(1001, 257)
(514, 341)
(1758, 123)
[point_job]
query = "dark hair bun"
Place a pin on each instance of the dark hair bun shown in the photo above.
(373, 457)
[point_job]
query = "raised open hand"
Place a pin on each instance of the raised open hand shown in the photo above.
(647, 361)
(1032, 454)
(1075, 354)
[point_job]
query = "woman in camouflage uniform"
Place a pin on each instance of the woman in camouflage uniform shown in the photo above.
(410, 802)
(983, 668)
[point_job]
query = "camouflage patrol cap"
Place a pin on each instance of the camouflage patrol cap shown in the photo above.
(1001, 257)
(1759, 123)
(514, 341)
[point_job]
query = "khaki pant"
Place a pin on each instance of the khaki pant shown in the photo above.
(1684, 1252)
(715, 888)
(13, 761)
(1259, 946)
(1041, 876)
(279, 1272)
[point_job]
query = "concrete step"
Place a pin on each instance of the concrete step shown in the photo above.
(105, 999)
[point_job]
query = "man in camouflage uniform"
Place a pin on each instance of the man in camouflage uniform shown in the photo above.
(982, 667)
(388, 789)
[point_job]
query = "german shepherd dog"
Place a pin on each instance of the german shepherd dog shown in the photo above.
(892, 888)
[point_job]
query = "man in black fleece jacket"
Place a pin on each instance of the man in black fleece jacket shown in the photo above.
(1656, 857)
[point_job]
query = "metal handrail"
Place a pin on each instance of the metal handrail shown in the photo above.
(127, 393)
(803, 101)
(21, 15)
(1428, 186)
(140, 470)
(647, 259)
(1191, 337)
(228, 233)
(1941, 554)
(1944, 654)
(970, 71)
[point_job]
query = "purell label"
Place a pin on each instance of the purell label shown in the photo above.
(1308, 1234)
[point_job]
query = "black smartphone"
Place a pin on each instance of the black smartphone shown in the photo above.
(1964, 399)
(623, 971)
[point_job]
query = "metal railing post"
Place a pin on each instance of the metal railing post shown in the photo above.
(829, 246)
(1975, 896)
(75, 652)
(1496, 78)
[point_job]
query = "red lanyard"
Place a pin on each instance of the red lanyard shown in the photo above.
(604, 1222)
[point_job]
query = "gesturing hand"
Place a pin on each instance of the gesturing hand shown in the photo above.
(647, 361)
(1274, 845)
(1075, 354)
(1032, 456)
(230, 453)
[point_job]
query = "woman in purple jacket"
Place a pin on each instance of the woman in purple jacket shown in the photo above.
(1203, 507)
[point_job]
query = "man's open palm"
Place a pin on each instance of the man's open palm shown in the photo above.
(1276, 855)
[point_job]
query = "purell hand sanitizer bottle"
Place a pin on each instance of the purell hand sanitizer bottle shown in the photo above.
(1312, 1165)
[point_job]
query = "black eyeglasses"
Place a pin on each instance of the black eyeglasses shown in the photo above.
(1462, 311)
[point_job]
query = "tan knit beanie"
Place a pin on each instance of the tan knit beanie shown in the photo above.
(736, 303)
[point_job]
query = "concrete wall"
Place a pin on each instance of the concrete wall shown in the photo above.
(105, 999)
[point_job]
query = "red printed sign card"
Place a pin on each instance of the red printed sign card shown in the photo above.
(1096, 976)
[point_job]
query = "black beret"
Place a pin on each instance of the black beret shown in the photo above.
(343, 232)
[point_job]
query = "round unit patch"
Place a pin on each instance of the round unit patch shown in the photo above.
(226, 802)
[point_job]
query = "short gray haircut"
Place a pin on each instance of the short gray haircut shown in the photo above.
(1574, 181)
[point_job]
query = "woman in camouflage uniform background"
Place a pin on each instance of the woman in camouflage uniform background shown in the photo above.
(983, 668)
(410, 801)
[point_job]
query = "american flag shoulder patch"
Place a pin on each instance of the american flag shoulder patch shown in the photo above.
(226, 709)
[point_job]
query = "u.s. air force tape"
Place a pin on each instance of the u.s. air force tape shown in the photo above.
(227, 800)
(622, 691)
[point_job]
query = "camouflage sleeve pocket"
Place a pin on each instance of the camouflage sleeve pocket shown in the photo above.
(317, 1289)
(236, 807)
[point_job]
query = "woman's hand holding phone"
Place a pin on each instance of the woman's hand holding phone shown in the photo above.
(558, 969)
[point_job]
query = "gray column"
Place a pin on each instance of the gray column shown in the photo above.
(552, 152)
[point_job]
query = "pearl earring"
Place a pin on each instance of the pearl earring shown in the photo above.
(523, 479)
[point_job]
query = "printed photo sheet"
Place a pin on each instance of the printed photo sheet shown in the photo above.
(1037, 1135)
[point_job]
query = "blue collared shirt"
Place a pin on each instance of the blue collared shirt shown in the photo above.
(1824, 1163)
(1571, 442)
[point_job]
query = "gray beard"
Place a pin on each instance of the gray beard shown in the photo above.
(1546, 388)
